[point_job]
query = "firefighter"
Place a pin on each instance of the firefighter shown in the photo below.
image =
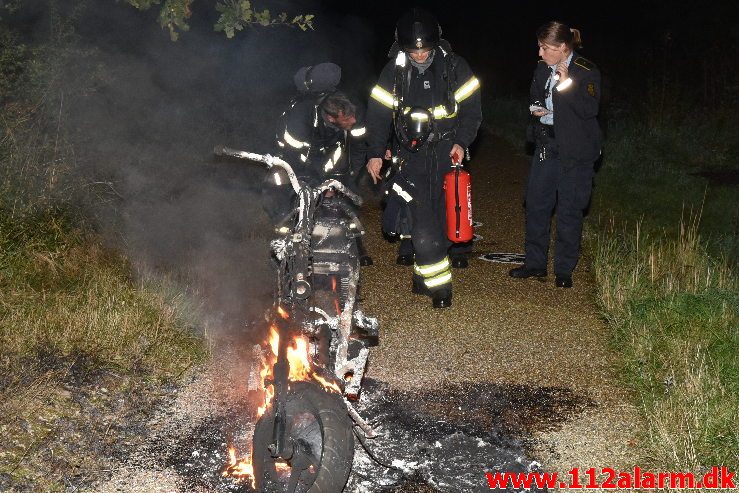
(319, 135)
(565, 94)
(430, 98)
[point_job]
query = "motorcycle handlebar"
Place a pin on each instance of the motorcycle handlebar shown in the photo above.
(270, 161)
(267, 159)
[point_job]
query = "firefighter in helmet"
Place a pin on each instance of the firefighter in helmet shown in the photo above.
(321, 136)
(428, 96)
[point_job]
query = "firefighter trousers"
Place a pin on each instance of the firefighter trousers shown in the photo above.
(432, 266)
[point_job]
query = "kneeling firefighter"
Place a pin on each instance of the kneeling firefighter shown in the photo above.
(321, 135)
(431, 99)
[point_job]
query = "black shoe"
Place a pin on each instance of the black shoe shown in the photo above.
(563, 281)
(442, 299)
(365, 260)
(524, 272)
(404, 259)
(460, 262)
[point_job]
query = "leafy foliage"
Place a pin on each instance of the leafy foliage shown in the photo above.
(235, 16)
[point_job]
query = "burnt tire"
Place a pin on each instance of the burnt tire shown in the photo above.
(320, 419)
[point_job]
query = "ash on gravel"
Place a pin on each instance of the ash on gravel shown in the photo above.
(437, 440)
(445, 439)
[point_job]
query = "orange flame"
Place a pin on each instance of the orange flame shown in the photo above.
(240, 469)
(283, 313)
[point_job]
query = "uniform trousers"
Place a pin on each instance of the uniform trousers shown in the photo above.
(563, 185)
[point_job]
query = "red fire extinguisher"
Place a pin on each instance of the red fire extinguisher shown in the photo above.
(458, 192)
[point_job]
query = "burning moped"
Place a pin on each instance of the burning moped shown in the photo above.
(313, 365)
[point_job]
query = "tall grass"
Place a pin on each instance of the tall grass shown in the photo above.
(675, 314)
(78, 337)
(650, 173)
(665, 263)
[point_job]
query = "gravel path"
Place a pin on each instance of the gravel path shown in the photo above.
(502, 330)
(516, 368)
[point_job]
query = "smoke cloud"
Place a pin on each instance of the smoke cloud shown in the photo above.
(143, 114)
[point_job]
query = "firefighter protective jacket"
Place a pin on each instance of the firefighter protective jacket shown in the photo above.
(448, 89)
(314, 148)
(576, 131)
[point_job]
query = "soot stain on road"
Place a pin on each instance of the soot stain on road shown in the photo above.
(439, 439)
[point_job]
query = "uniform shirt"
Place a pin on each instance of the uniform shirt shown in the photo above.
(429, 91)
(577, 133)
(548, 119)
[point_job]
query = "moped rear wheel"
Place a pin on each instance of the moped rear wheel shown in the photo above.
(320, 431)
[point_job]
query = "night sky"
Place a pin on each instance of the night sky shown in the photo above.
(630, 42)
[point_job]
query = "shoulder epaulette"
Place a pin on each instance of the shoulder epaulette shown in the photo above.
(584, 63)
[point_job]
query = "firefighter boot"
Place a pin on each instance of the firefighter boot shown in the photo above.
(442, 298)
(405, 252)
(364, 259)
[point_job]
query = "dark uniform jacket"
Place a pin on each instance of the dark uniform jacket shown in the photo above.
(576, 130)
(448, 89)
(316, 149)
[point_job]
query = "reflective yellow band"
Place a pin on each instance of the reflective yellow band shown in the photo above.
(437, 281)
(433, 269)
(293, 142)
(358, 132)
(467, 89)
(421, 117)
(334, 159)
(440, 112)
(564, 84)
(382, 96)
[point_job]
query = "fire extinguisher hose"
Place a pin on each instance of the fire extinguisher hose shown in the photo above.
(457, 207)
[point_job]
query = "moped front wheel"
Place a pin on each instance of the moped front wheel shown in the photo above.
(320, 432)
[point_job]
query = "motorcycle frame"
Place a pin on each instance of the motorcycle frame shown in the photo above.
(293, 251)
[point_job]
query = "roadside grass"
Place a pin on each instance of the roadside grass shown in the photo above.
(664, 244)
(651, 174)
(674, 311)
(87, 348)
(79, 339)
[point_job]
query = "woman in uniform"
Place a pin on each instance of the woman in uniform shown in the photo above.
(565, 94)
